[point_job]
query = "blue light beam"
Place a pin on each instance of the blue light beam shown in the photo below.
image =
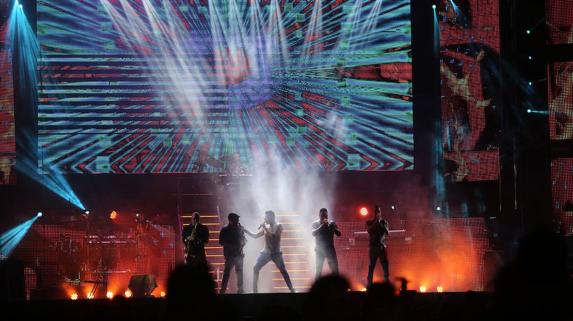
(52, 180)
(22, 41)
(10, 240)
(24, 44)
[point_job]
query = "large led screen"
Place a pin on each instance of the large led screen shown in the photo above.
(7, 124)
(157, 86)
(469, 53)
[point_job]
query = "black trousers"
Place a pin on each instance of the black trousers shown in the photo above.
(330, 256)
(265, 258)
(230, 262)
(377, 253)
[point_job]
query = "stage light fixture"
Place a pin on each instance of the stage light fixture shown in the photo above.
(74, 296)
(363, 211)
(39, 214)
(530, 83)
(528, 31)
(162, 294)
(127, 293)
(392, 207)
(90, 296)
(530, 57)
(113, 215)
(87, 212)
(434, 6)
(438, 208)
(363, 290)
(439, 289)
(109, 295)
(20, 6)
(422, 289)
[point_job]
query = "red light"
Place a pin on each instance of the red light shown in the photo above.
(363, 211)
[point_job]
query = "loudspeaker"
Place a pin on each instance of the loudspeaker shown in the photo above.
(12, 284)
(142, 285)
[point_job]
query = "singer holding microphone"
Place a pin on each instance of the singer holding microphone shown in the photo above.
(324, 232)
(271, 230)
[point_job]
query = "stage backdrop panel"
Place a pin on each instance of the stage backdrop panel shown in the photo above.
(157, 86)
(7, 124)
(469, 54)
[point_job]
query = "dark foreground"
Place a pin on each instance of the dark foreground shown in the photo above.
(413, 306)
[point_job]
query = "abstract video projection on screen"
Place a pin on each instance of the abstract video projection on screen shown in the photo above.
(157, 86)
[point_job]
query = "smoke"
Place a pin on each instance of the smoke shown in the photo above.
(295, 196)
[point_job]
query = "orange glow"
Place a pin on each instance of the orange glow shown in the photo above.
(162, 294)
(109, 295)
(128, 294)
(113, 215)
(456, 246)
(363, 211)
(74, 296)
(440, 289)
(423, 289)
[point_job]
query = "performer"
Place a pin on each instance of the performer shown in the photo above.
(324, 232)
(232, 238)
(195, 236)
(377, 233)
(272, 230)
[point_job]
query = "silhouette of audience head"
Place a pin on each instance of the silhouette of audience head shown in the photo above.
(191, 294)
(329, 299)
(380, 302)
(536, 283)
(190, 287)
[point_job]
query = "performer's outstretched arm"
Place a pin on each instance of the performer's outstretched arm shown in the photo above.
(254, 235)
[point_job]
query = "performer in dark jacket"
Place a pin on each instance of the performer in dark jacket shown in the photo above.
(377, 233)
(232, 238)
(195, 236)
(324, 232)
